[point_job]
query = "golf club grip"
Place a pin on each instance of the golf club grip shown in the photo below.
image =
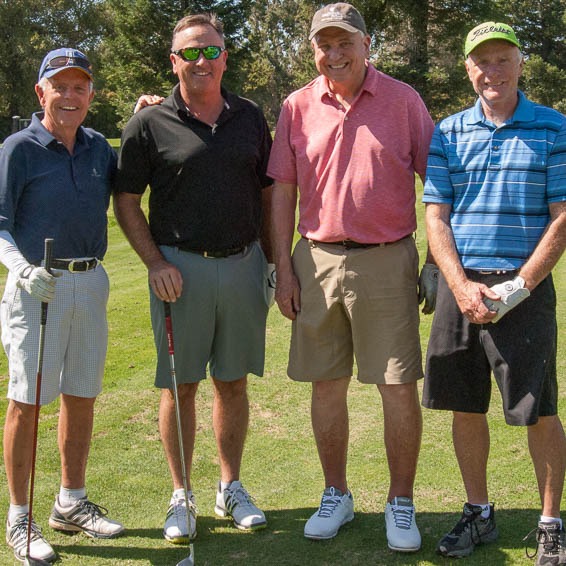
(169, 327)
(48, 253)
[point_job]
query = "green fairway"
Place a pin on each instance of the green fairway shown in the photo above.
(127, 471)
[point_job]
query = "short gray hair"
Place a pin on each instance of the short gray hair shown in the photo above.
(42, 84)
(206, 18)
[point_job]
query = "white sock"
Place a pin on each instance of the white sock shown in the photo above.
(545, 519)
(485, 510)
(180, 494)
(68, 497)
(224, 485)
(16, 511)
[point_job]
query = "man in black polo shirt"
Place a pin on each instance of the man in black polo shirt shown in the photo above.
(204, 154)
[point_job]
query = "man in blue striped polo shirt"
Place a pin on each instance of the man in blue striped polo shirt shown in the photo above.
(495, 199)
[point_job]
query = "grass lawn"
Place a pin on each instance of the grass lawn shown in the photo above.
(128, 474)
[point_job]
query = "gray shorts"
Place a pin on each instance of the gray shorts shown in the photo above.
(76, 337)
(218, 320)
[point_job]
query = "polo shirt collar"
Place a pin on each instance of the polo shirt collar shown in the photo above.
(525, 111)
(45, 137)
(370, 83)
(233, 103)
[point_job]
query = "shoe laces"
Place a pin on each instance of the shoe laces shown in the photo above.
(178, 507)
(403, 516)
(328, 505)
(469, 522)
(93, 510)
(549, 540)
(20, 529)
(238, 496)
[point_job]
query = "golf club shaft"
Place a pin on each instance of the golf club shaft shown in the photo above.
(169, 328)
(47, 262)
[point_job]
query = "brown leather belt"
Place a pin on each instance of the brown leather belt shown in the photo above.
(351, 245)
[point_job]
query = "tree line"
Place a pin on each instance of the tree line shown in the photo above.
(128, 41)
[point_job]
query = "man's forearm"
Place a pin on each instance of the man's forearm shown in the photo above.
(549, 249)
(134, 224)
(284, 203)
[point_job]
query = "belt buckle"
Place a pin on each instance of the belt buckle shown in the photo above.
(71, 266)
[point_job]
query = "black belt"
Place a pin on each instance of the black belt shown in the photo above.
(74, 265)
(350, 244)
(216, 254)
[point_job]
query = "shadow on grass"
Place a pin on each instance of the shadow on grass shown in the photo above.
(361, 542)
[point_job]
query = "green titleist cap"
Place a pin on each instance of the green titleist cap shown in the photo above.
(489, 30)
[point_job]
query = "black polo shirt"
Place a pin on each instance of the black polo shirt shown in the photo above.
(205, 181)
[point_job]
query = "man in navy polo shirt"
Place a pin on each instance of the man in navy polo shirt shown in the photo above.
(495, 199)
(55, 181)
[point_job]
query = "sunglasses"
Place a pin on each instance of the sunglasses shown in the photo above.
(63, 61)
(193, 53)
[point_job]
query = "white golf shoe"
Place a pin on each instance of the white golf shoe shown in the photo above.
(17, 536)
(402, 532)
(236, 502)
(176, 529)
(336, 509)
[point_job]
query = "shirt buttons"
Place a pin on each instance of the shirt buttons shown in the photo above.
(495, 148)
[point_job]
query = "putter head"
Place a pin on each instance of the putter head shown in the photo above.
(190, 560)
(31, 561)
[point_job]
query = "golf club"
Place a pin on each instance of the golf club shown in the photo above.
(189, 561)
(30, 561)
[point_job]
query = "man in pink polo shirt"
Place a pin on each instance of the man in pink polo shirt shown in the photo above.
(352, 140)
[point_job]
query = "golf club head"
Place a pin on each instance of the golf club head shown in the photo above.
(31, 561)
(189, 560)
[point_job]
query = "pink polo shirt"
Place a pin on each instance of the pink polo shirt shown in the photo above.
(355, 169)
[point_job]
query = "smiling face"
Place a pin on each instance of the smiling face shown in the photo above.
(65, 99)
(341, 57)
(494, 68)
(203, 75)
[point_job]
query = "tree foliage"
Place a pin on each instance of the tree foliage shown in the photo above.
(129, 43)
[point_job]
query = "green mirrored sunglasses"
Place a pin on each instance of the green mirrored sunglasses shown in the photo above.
(193, 53)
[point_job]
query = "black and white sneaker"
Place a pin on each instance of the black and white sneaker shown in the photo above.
(17, 538)
(551, 544)
(471, 530)
(84, 516)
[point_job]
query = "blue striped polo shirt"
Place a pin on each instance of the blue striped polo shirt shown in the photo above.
(499, 181)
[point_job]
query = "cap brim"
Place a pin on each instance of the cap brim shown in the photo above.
(342, 25)
(53, 72)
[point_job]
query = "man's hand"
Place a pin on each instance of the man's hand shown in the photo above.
(166, 281)
(271, 284)
(510, 293)
(147, 100)
(470, 298)
(288, 294)
(38, 282)
(428, 287)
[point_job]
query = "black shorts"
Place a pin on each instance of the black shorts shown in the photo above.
(520, 349)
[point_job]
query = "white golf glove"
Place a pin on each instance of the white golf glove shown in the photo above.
(38, 282)
(271, 282)
(512, 292)
(428, 287)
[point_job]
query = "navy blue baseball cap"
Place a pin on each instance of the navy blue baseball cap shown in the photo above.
(64, 58)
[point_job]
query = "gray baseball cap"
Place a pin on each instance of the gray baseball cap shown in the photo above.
(339, 15)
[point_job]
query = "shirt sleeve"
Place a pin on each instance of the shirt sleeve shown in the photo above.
(265, 151)
(422, 128)
(134, 172)
(438, 186)
(12, 183)
(282, 163)
(556, 168)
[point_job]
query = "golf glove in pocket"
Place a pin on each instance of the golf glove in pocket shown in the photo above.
(38, 282)
(512, 292)
(428, 287)
(271, 282)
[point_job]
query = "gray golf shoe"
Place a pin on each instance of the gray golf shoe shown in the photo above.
(17, 536)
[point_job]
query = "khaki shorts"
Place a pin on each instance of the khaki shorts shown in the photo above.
(356, 301)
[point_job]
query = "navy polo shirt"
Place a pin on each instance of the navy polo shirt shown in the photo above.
(206, 181)
(47, 193)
